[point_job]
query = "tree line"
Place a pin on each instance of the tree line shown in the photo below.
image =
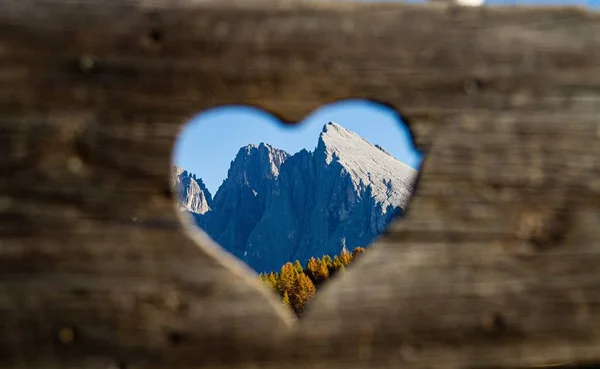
(297, 284)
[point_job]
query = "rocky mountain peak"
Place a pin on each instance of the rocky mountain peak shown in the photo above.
(391, 181)
(254, 163)
(193, 194)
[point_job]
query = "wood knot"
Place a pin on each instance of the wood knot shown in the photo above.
(175, 302)
(176, 338)
(543, 229)
(472, 86)
(118, 365)
(156, 35)
(66, 335)
(409, 352)
(88, 63)
(494, 323)
(74, 164)
(153, 39)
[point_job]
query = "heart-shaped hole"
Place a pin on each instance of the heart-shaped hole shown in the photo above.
(296, 203)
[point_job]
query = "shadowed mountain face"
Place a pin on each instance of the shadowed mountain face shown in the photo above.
(275, 207)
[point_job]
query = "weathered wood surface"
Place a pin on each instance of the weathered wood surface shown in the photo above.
(497, 263)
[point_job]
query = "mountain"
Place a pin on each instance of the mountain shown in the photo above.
(242, 198)
(193, 194)
(275, 207)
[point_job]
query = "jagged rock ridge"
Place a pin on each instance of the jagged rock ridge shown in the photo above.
(275, 207)
(193, 195)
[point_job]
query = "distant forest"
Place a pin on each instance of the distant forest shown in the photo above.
(297, 285)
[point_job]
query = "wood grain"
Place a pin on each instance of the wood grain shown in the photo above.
(497, 263)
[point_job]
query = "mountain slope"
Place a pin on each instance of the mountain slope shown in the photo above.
(241, 200)
(391, 180)
(341, 195)
(274, 208)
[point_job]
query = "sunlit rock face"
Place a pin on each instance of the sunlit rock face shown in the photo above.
(193, 194)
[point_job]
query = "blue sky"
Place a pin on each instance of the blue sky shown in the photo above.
(211, 140)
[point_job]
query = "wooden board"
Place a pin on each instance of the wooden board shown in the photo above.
(497, 263)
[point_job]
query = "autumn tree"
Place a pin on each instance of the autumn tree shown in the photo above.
(271, 280)
(345, 257)
(322, 271)
(263, 278)
(286, 300)
(317, 271)
(328, 261)
(303, 291)
(298, 267)
(297, 285)
(337, 263)
(287, 278)
(335, 266)
(311, 268)
(357, 251)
